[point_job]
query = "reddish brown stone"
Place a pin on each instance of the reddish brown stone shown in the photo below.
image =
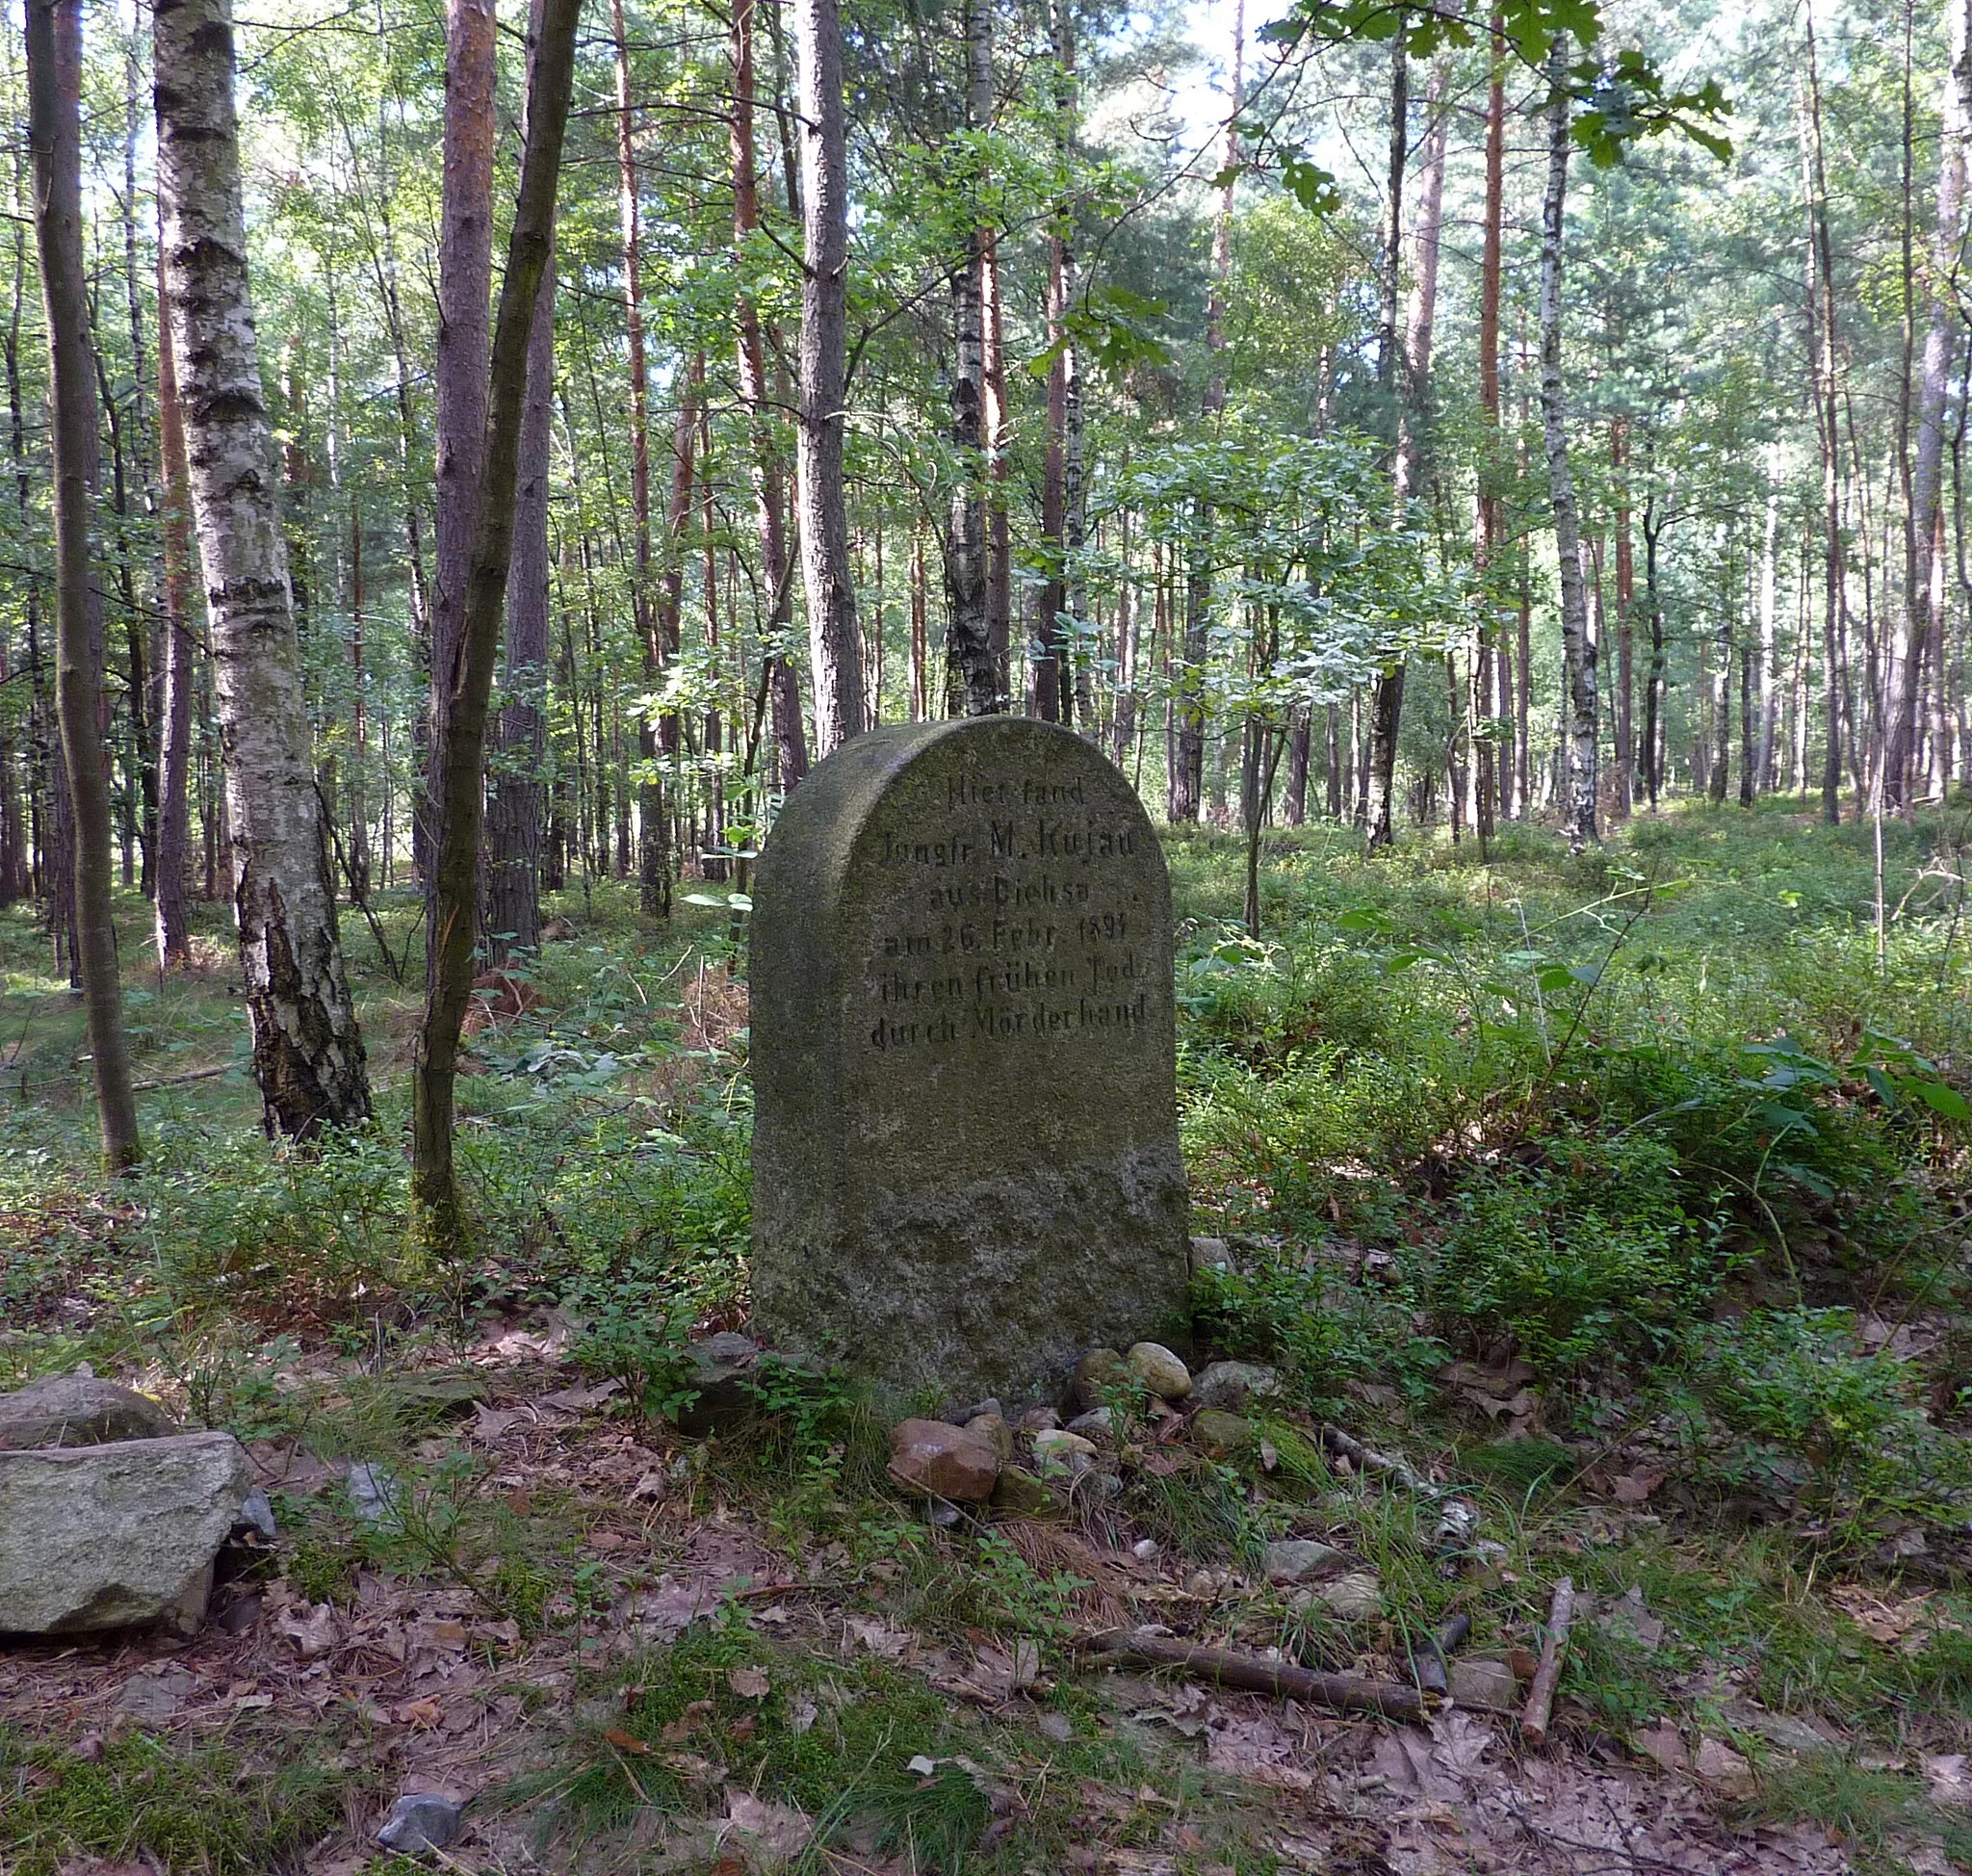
(942, 1462)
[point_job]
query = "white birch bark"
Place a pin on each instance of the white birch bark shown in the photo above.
(307, 1053)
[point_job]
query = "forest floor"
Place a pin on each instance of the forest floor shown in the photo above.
(1624, 1197)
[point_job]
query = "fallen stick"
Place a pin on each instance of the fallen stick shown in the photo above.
(1554, 1645)
(1345, 1446)
(1429, 1662)
(178, 1081)
(1338, 1693)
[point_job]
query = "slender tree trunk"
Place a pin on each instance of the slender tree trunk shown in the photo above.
(175, 764)
(439, 1217)
(1053, 680)
(1626, 625)
(1386, 704)
(516, 799)
(998, 442)
(834, 653)
(1927, 471)
(308, 1054)
(1821, 301)
(465, 276)
(54, 67)
(790, 739)
(1578, 663)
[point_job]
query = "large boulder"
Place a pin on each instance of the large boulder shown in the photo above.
(109, 1536)
(77, 1410)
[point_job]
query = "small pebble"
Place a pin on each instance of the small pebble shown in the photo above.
(419, 1821)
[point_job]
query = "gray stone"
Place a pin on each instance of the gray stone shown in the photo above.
(106, 1536)
(721, 1384)
(1161, 1371)
(155, 1695)
(1219, 1435)
(374, 1495)
(964, 1148)
(1063, 1447)
(257, 1516)
(1234, 1385)
(1097, 1419)
(979, 1410)
(1476, 1681)
(1354, 1597)
(419, 1822)
(994, 1430)
(1100, 1372)
(78, 1409)
(1297, 1559)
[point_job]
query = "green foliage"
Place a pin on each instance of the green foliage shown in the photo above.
(226, 1811)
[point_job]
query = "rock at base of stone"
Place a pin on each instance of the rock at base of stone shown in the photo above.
(1220, 1435)
(1020, 1495)
(1234, 1385)
(1300, 1560)
(78, 1409)
(939, 1461)
(1161, 1371)
(1099, 1373)
(112, 1536)
(721, 1380)
(419, 1822)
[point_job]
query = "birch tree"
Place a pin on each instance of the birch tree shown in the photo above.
(307, 1052)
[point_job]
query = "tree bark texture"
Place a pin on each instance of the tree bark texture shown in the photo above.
(834, 648)
(307, 1053)
(1578, 661)
(465, 282)
(516, 799)
(174, 759)
(438, 1223)
(54, 64)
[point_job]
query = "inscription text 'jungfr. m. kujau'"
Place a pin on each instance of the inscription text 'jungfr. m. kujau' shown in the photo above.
(1013, 925)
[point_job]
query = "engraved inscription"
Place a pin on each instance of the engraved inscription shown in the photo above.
(1018, 919)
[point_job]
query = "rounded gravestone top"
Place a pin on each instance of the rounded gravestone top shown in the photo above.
(966, 1159)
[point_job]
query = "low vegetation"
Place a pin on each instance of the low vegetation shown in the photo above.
(1623, 1196)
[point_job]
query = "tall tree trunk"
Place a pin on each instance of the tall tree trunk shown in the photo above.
(653, 849)
(1927, 469)
(1626, 625)
(790, 739)
(1578, 663)
(175, 763)
(308, 1054)
(1054, 682)
(1822, 316)
(972, 675)
(54, 67)
(438, 1219)
(1763, 777)
(1386, 704)
(1186, 768)
(515, 797)
(1495, 776)
(834, 649)
(465, 277)
(998, 443)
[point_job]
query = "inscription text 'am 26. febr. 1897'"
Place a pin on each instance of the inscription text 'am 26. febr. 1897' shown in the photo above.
(965, 1158)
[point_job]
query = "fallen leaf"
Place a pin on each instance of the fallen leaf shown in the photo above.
(1717, 1763)
(313, 1632)
(749, 1684)
(881, 1638)
(686, 1723)
(1634, 1488)
(1662, 1746)
(1947, 1776)
(780, 1830)
(629, 1743)
(418, 1713)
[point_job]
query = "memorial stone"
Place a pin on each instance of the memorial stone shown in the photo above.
(966, 1161)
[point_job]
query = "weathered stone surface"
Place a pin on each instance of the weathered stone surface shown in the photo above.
(1022, 1495)
(1099, 1372)
(1062, 1446)
(1160, 1370)
(1354, 1597)
(992, 1429)
(1298, 1559)
(78, 1409)
(943, 1461)
(965, 1159)
(720, 1381)
(1219, 1435)
(102, 1537)
(1097, 1419)
(419, 1822)
(1476, 1681)
(1234, 1385)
